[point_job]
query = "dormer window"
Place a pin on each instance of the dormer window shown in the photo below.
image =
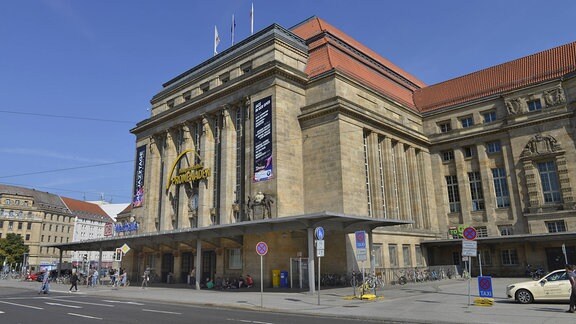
(205, 87)
(225, 78)
(170, 103)
(534, 105)
(246, 67)
(187, 95)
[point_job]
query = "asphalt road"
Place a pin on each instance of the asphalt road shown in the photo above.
(25, 306)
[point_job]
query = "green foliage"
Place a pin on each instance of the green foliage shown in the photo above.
(12, 248)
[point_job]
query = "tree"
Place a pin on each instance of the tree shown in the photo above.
(12, 248)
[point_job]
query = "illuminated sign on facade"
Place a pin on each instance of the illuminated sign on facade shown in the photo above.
(138, 199)
(190, 174)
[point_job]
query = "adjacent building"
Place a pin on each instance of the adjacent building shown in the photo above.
(41, 219)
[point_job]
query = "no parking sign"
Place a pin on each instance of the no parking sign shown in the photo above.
(485, 286)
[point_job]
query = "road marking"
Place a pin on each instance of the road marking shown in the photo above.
(63, 305)
(247, 321)
(1, 312)
(159, 311)
(85, 303)
(123, 302)
(14, 304)
(85, 316)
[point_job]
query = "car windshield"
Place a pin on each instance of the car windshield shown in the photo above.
(557, 276)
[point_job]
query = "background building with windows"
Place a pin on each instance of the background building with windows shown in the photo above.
(295, 128)
(41, 218)
(91, 222)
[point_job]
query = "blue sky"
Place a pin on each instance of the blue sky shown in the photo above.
(76, 76)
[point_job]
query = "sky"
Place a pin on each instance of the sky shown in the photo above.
(77, 75)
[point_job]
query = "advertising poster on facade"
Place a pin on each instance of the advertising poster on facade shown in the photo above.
(138, 199)
(263, 167)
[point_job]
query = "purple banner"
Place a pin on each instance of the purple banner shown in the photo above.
(263, 169)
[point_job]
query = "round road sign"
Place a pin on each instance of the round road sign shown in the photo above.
(261, 248)
(319, 231)
(470, 233)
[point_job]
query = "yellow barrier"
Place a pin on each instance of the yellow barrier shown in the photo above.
(478, 301)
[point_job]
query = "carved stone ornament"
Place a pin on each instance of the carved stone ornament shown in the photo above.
(515, 106)
(540, 145)
(554, 97)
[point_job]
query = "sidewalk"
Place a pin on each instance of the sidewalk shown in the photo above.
(434, 302)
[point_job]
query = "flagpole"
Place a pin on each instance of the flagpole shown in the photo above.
(252, 19)
(233, 28)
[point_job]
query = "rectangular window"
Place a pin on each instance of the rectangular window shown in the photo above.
(550, 184)
(493, 147)
(377, 253)
(27, 237)
(534, 105)
(466, 122)
(1, 224)
(453, 194)
(447, 156)
(170, 103)
(187, 95)
(509, 257)
(20, 225)
(506, 230)
(205, 87)
(489, 116)
(419, 256)
(235, 258)
(224, 78)
(444, 126)
(485, 256)
(29, 226)
(556, 226)
(246, 67)
(481, 231)
(476, 193)
(407, 255)
(469, 151)
(10, 225)
(501, 187)
(393, 251)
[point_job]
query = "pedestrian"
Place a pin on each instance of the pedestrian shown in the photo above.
(145, 278)
(95, 278)
(193, 276)
(249, 281)
(572, 277)
(74, 282)
(45, 288)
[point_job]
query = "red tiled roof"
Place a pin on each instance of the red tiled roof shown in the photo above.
(536, 68)
(85, 209)
(330, 49)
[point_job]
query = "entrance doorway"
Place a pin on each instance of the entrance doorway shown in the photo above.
(555, 257)
(167, 266)
(187, 266)
(208, 265)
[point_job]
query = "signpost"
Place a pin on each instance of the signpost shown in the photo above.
(319, 233)
(261, 249)
(469, 249)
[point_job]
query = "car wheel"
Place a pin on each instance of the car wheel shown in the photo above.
(523, 296)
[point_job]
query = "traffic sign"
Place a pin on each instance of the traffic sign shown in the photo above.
(469, 248)
(485, 286)
(261, 248)
(469, 233)
(319, 232)
(125, 248)
(360, 239)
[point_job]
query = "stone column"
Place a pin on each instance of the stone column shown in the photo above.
(205, 195)
(427, 192)
(490, 204)
(414, 186)
(391, 191)
(402, 181)
(463, 187)
(228, 170)
(376, 203)
(168, 196)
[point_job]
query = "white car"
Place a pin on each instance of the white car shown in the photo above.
(554, 286)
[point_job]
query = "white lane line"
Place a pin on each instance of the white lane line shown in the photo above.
(84, 303)
(14, 304)
(85, 316)
(63, 305)
(1, 312)
(123, 302)
(159, 311)
(247, 321)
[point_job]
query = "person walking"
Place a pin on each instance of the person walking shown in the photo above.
(45, 288)
(73, 282)
(572, 277)
(145, 278)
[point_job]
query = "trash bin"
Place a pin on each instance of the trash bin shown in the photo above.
(284, 279)
(275, 278)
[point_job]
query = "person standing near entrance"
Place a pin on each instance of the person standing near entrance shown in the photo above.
(572, 277)
(74, 282)
(193, 277)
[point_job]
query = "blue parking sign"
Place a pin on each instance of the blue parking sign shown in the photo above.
(485, 287)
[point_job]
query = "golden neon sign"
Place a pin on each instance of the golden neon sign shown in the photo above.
(190, 174)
